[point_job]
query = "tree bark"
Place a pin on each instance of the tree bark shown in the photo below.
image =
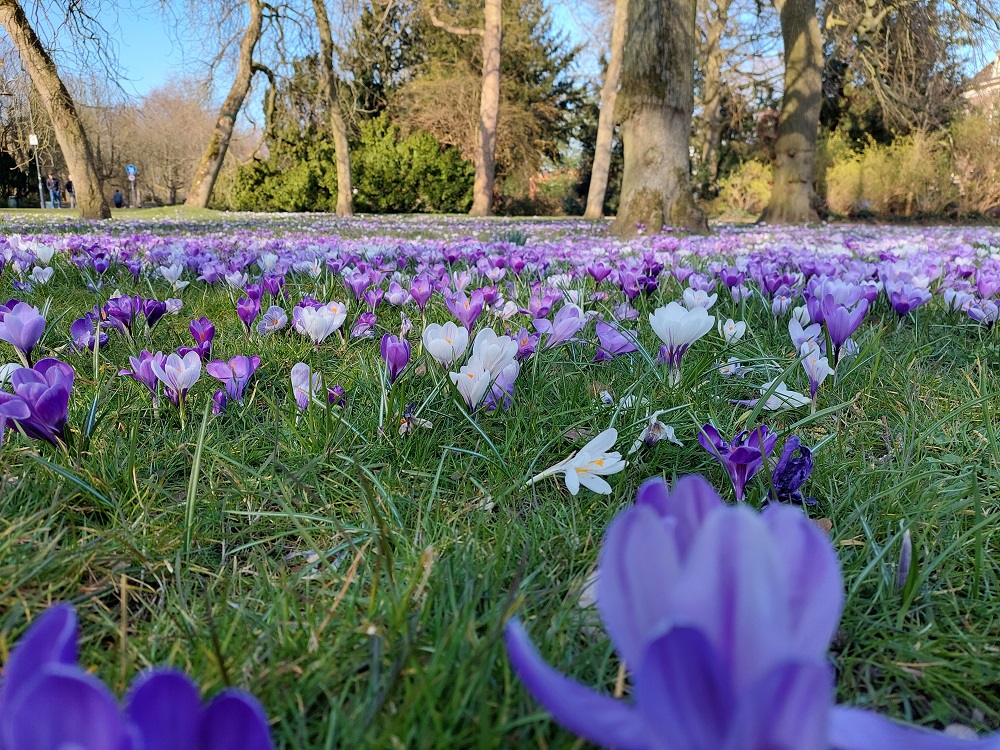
(329, 85)
(489, 112)
(215, 153)
(58, 103)
(793, 199)
(711, 100)
(657, 98)
(606, 120)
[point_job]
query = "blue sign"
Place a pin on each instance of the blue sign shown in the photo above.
(130, 169)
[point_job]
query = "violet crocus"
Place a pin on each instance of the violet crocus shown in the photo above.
(234, 374)
(467, 308)
(563, 327)
(790, 473)
(39, 400)
(421, 289)
(142, 371)
(152, 311)
(907, 298)
(501, 393)
(47, 700)
(675, 572)
(305, 385)
(612, 341)
(203, 332)
(817, 368)
(396, 355)
(841, 322)
(273, 320)
(85, 332)
(527, 343)
(742, 458)
(22, 327)
(178, 374)
(248, 308)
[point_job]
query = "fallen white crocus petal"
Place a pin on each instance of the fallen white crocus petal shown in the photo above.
(654, 432)
(409, 424)
(587, 466)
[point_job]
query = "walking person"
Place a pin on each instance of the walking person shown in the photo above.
(53, 186)
(70, 191)
(119, 199)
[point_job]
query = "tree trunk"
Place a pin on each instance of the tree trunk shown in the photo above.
(711, 104)
(793, 200)
(62, 112)
(489, 112)
(657, 97)
(606, 121)
(328, 83)
(215, 153)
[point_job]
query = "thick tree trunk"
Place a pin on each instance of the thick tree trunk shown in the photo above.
(215, 153)
(606, 121)
(711, 104)
(328, 82)
(62, 112)
(656, 98)
(793, 200)
(489, 112)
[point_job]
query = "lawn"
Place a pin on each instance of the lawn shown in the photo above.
(357, 580)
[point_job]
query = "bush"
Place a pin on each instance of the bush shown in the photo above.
(976, 164)
(747, 189)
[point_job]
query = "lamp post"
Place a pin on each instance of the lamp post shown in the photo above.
(33, 141)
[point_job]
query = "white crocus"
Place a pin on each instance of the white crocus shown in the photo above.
(495, 352)
(678, 328)
(445, 343)
(588, 466)
(732, 367)
(40, 275)
(472, 381)
(801, 314)
(172, 274)
(318, 323)
(699, 298)
(43, 254)
(732, 331)
(782, 398)
(654, 432)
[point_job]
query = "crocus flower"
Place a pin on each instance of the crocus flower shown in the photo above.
(907, 298)
(780, 399)
(247, 308)
(178, 374)
(566, 324)
(203, 332)
(732, 331)
(589, 466)
(152, 311)
(445, 343)
(501, 393)
(527, 342)
(985, 312)
(305, 385)
(84, 332)
(22, 328)
(234, 374)
(790, 473)
(905, 560)
(678, 329)
(172, 275)
(219, 401)
(396, 355)
(363, 325)
(39, 400)
(473, 381)
(841, 322)
(48, 701)
(801, 336)
(466, 308)
(612, 341)
(816, 366)
(421, 289)
(699, 298)
(742, 458)
(654, 432)
(495, 352)
(142, 371)
(273, 320)
(319, 322)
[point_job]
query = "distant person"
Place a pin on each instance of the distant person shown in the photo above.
(53, 186)
(70, 191)
(119, 199)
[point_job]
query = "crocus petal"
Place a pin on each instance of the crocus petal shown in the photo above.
(165, 707)
(50, 639)
(594, 483)
(681, 691)
(599, 718)
(692, 500)
(637, 567)
(857, 729)
(65, 707)
(234, 720)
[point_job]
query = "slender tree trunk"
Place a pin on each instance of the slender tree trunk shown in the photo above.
(215, 153)
(489, 113)
(793, 200)
(328, 82)
(606, 121)
(711, 104)
(656, 98)
(62, 112)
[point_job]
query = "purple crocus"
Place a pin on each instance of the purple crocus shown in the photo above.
(841, 322)
(790, 473)
(84, 332)
(234, 374)
(42, 396)
(22, 327)
(203, 332)
(527, 342)
(363, 325)
(726, 639)
(219, 401)
(613, 341)
(467, 308)
(566, 324)
(152, 311)
(48, 701)
(142, 371)
(421, 289)
(248, 308)
(906, 298)
(742, 458)
(396, 355)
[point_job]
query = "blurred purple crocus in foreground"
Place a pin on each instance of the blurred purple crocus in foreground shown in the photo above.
(743, 457)
(48, 701)
(39, 403)
(724, 618)
(22, 327)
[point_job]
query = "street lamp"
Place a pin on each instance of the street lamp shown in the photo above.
(33, 141)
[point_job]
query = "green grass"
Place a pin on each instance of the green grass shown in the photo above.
(358, 583)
